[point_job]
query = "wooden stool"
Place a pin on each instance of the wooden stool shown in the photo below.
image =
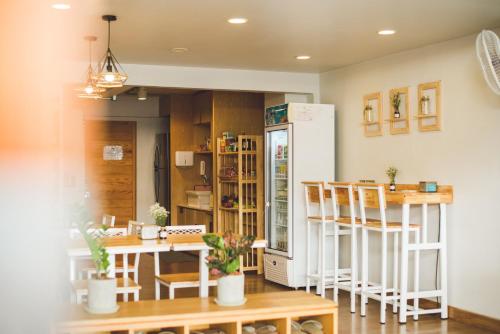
(373, 196)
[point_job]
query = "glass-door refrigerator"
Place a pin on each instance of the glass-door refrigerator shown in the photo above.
(277, 154)
(300, 146)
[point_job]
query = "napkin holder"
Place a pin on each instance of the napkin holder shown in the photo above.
(427, 186)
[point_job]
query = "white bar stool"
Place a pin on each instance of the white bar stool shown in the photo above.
(316, 214)
(373, 197)
(343, 197)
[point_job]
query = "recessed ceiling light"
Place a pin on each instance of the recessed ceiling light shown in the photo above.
(61, 6)
(237, 20)
(387, 32)
(303, 57)
(179, 50)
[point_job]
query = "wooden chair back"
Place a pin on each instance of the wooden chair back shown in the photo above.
(315, 198)
(186, 229)
(108, 220)
(343, 196)
(372, 196)
(134, 227)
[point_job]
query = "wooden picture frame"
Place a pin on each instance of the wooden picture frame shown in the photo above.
(373, 127)
(399, 125)
(430, 119)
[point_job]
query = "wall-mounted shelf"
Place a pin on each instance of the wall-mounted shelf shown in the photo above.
(429, 112)
(395, 120)
(425, 116)
(373, 124)
(399, 125)
(203, 152)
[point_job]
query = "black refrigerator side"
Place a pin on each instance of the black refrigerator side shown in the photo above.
(162, 171)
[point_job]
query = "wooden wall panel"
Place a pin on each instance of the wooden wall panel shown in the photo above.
(111, 183)
(238, 112)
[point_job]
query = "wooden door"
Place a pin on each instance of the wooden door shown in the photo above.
(111, 180)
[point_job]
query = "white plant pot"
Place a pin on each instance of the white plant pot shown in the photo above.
(231, 290)
(102, 296)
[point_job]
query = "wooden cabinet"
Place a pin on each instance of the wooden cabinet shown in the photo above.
(202, 108)
(187, 314)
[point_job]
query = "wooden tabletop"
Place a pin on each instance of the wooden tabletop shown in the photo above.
(409, 194)
(182, 311)
(133, 244)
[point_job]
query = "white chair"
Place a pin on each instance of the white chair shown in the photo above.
(182, 280)
(316, 214)
(125, 285)
(108, 220)
(372, 196)
(343, 198)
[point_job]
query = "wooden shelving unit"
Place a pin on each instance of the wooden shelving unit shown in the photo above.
(240, 193)
(188, 314)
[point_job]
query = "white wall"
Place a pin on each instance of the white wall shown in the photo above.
(464, 154)
(127, 108)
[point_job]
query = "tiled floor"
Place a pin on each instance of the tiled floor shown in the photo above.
(348, 323)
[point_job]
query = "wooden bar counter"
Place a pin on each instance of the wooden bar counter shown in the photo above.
(185, 314)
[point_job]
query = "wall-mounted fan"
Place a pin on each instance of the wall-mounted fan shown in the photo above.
(488, 52)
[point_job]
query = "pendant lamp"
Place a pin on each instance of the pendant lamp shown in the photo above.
(110, 73)
(90, 89)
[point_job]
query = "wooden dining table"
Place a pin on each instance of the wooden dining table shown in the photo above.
(132, 244)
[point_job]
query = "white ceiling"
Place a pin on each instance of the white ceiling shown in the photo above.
(334, 33)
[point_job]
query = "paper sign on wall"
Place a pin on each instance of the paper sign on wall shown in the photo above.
(112, 152)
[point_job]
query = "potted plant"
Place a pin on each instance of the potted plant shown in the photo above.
(391, 172)
(101, 298)
(396, 101)
(224, 262)
(368, 113)
(160, 215)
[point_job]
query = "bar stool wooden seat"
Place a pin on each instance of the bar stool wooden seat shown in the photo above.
(372, 196)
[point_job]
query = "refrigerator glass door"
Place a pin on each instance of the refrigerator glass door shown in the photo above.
(278, 192)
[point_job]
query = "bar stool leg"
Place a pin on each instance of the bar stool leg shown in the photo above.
(318, 265)
(395, 274)
(364, 270)
(443, 257)
(323, 262)
(403, 306)
(308, 257)
(354, 268)
(383, 294)
(336, 263)
(416, 274)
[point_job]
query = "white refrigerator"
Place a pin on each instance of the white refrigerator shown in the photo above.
(300, 146)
